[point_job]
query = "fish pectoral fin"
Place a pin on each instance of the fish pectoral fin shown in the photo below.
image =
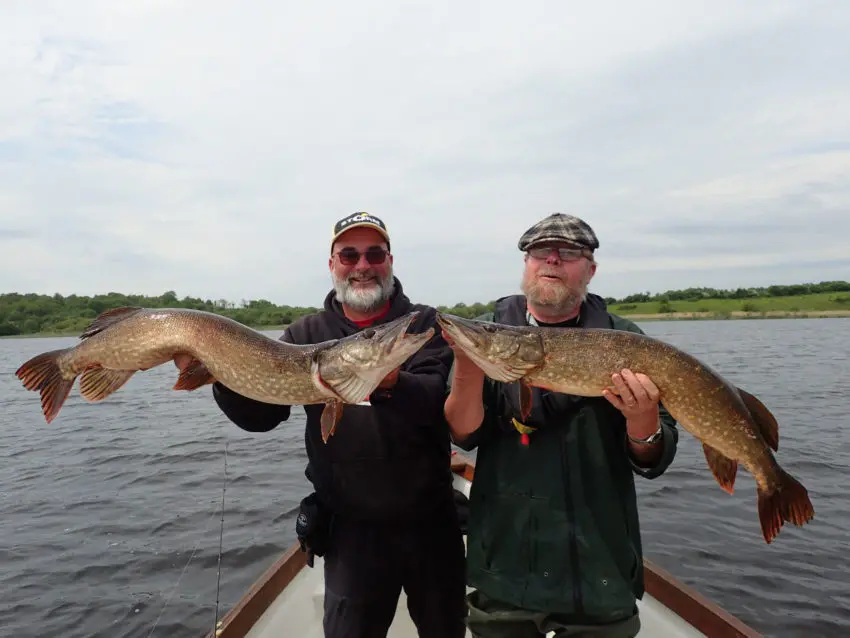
(525, 399)
(97, 383)
(499, 371)
(354, 388)
(765, 420)
(723, 468)
(193, 376)
(331, 414)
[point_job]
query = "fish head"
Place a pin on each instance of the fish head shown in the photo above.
(504, 353)
(353, 366)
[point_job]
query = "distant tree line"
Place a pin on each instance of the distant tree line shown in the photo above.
(32, 314)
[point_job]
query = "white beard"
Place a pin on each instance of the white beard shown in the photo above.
(364, 299)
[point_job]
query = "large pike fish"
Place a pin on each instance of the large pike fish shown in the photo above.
(120, 342)
(733, 425)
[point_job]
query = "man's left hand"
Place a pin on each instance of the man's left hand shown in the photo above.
(389, 380)
(636, 396)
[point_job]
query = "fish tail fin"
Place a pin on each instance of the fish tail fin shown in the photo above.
(42, 373)
(108, 318)
(193, 376)
(789, 502)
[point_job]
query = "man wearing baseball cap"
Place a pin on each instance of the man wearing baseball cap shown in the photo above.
(553, 541)
(383, 512)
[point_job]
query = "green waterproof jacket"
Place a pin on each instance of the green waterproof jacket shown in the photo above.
(553, 524)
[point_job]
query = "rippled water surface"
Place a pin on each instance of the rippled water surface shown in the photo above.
(110, 516)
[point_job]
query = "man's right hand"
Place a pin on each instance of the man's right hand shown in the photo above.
(181, 360)
(464, 407)
(465, 367)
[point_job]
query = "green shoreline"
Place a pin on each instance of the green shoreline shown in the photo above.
(659, 316)
(34, 315)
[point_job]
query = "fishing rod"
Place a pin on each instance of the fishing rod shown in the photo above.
(195, 551)
(220, 542)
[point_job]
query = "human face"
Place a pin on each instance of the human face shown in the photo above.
(556, 280)
(362, 286)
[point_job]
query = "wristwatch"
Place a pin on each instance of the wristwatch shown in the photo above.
(652, 438)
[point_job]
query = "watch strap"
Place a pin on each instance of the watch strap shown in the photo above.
(652, 438)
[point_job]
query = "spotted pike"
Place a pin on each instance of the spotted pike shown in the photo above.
(123, 341)
(732, 425)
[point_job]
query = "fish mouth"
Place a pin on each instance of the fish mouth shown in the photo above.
(392, 333)
(466, 333)
(391, 347)
(475, 339)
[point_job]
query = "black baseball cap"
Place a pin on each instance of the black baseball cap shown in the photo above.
(361, 219)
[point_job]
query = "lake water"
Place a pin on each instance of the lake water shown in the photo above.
(110, 516)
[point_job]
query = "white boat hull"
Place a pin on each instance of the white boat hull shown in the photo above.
(288, 599)
(297, 611)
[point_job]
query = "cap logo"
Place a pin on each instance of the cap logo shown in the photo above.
(359, 218)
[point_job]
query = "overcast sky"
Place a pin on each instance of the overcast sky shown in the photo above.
(207, 147)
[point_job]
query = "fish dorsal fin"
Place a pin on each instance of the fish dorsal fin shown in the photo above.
(763, 418)
(108, 318)
(723, 468)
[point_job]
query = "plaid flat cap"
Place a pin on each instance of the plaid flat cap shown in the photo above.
(559, 227)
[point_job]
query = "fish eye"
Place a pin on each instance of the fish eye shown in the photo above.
(368, 333)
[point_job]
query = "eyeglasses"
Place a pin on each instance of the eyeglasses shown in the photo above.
(374, 255)
(564, 254)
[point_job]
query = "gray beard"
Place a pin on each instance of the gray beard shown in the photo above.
(557, 299)
(364, 300)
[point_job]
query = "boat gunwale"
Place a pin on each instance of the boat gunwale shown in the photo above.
(674, 595)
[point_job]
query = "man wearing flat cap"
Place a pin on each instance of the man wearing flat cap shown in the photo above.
(553, 534)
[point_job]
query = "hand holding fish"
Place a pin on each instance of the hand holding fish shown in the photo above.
(734, 427)
(207, 347)
(636, 396)
(464, 367)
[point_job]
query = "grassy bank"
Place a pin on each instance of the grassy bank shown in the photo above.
(798, 306)
(715, 316)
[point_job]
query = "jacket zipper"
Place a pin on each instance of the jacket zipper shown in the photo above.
(573, 541)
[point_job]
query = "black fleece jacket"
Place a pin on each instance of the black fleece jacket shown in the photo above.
(388, 461)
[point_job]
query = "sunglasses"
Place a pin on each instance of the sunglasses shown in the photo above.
(351, 256)
(564, 254)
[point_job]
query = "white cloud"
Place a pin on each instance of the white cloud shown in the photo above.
(208, 147)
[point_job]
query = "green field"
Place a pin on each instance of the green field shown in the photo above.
(812, 304)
